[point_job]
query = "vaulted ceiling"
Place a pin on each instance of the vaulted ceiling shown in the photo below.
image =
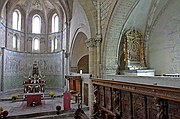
(45, 6)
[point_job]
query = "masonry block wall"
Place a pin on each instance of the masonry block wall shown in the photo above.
(110, 43)
(18, 65)
(164, 42)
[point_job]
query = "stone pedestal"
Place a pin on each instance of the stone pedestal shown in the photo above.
(139, 72)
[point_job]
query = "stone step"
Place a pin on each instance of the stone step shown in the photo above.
(21, 97)
(69, 115)
(49, 115)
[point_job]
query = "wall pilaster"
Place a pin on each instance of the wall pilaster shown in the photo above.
(90, 44)
(98, 58)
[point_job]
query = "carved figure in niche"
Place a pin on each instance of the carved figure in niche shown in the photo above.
(133, 49)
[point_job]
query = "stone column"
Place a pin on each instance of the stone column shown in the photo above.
(66, 54)
(95, 59)
(90, 44)
(91, 99)
(98, 39)
(2, 69)
(62, 67)
(98, 59)
(67, 46)
(99, 16)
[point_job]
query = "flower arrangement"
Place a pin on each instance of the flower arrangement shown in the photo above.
(51, 94)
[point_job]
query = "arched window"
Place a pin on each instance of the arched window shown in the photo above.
(36, 44)
(16, 42)
(54, 44)
(55, 23)
(16, 20)
(36, 24)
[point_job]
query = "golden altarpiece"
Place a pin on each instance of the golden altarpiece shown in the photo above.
(134, 54)
(134, 50)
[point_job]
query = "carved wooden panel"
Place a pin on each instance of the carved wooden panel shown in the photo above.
(116, 101)
(86, 92)
(96, 92)
(174, 110)
(126, 105)
(101, 90)
(131, 101)
(151, 108)
(108, 98)
(96, 106)
(138, 106)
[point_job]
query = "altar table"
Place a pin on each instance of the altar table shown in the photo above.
(33, 98)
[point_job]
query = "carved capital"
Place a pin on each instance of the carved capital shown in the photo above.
(90, 42)
(98, 40)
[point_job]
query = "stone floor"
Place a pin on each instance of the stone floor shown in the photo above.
(19, 107)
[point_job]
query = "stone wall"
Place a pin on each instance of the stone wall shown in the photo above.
(79, 22)
(17, 65)
(164, 43)
(2, 35)
(111, 41)
(148, 80)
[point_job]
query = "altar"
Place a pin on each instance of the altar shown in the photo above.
(34, 87)
(33, 98)
(132, 59)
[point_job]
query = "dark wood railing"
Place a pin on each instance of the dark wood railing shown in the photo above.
(122, 100)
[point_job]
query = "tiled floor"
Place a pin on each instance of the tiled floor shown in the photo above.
(21, 108)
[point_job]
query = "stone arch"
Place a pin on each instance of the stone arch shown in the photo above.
(89, 11)
(32, 13)
(111, 42)
(83, 64)
(61, 17)
(79, 52)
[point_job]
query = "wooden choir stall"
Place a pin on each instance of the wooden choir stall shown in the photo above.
(34, 87)
(75, 88)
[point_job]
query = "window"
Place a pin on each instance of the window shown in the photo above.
(36, 44)
(36, 24)
(16, 23)
(16, 42)
(55, 23)
(54, 44)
